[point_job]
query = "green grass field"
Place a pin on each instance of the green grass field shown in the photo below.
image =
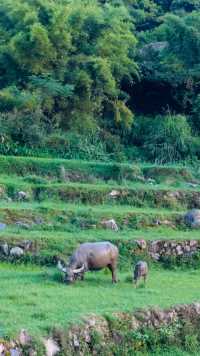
(36, 299)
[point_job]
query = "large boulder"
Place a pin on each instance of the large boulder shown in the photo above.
(51, 347)
(110, 224)
(16, 251)
(2, 226)
(192, 218)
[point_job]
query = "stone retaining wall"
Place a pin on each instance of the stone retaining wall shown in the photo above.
(81, 338)
(96, 335)
(165, 248)
(156, 249)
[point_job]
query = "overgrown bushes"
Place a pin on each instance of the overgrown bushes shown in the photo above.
(165, 138)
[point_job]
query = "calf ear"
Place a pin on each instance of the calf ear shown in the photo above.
(79, 270)
(61, 267)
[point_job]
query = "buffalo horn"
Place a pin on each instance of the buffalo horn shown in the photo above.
(79, 270)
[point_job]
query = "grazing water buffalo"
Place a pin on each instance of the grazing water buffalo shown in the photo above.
(91, 257)
(140, 270)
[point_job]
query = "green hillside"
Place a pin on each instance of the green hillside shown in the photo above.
(99, 141)
(59, 212)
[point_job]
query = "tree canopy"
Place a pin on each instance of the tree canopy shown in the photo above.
(90, 66)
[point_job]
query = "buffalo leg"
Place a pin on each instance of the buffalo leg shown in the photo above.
(112, 268)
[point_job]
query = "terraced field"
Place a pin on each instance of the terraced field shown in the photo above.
(53, 205)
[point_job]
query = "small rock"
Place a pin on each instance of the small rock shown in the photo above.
(16, 251)
(114, 194)
(15, 352)
(76, 341)
(5, 249)
(38, 221)
(140, 178)
(2, 349)
(168, 223)
(157, 222)
(179, 250)
(134, 323)
(51, 347)
(173, 244)
(87, 336)
(110, 224)
(155, 246)
(141, 243)
(155, 256)
(192, 218)
(192, 185)
(23, 225)
(22, 195)
(174, 195)
(2, 226)
(27, 245)
(24, 338)
(151, 181)
(193, 243)
(187, 249)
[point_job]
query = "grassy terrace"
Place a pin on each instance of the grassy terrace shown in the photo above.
(60, 214)
(51, 168)
(34, 298)
(94, 194)
(71, 198)
(50, 244)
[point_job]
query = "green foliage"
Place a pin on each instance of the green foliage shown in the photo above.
(65, 60)
(185, 261)
(164, 138)
(76, 74)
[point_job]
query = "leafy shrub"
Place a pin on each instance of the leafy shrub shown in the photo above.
(165, 138)
(74, 145)
(183, 261)
(35, 180)
(22, 127)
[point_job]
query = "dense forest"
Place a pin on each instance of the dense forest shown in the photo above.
(115, 79)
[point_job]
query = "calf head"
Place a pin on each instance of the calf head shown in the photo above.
(70, 273)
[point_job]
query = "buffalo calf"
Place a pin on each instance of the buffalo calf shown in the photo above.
(140, 270)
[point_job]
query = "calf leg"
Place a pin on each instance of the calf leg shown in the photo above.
(112, 268)
(145, 278)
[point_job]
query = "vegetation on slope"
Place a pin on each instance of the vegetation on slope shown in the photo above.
(100, 79)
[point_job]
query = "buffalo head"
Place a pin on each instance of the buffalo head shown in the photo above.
(70, 273)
